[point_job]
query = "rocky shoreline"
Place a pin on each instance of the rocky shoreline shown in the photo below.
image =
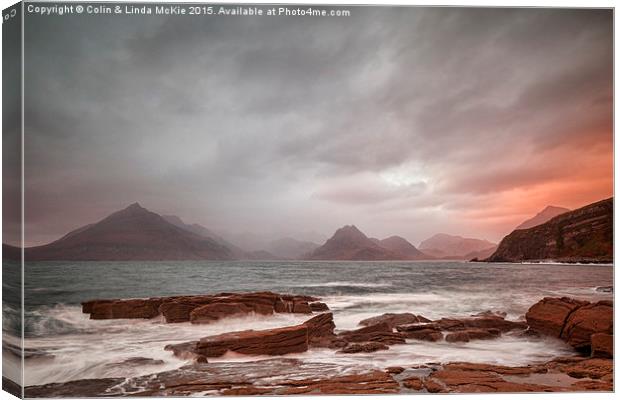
(587, 327)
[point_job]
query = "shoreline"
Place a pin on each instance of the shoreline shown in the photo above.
(207, 373)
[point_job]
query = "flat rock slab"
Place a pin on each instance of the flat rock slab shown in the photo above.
(266, 377)
(274, 342)
(201, 308)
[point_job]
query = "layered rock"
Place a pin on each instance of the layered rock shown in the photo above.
(273, 342)
(582, 235)
(394, 319)
(574, 321)
(549, 315)
(365, 347)
(381, 333)
(428, 332)
(472, 334)
(266, 377)
(486, 322)
(317, 331)
(201, 308)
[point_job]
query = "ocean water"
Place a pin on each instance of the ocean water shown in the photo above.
(62, 344)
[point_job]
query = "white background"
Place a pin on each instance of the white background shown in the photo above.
(479, 3)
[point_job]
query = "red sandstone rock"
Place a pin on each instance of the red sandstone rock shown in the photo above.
(119, 309)
(430, 335)
(413, 383)
(391, 319)
(586, 321)
(472, 334)
(317, 306)
(394, 370)
(365, 347)
(292, 339)
(602, 345)
(493, 322)
(179, 308)
(177, 311)
(375, 333)
(549, 315)
(215, 311)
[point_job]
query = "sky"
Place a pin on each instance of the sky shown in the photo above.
(402, 121)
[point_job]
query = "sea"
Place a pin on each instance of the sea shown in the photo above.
(63, 344)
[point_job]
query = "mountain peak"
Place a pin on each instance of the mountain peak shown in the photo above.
(545, 215)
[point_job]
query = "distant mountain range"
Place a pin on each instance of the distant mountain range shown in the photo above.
(349, 243)
(136, 233)
(446, 246)
(582, 235)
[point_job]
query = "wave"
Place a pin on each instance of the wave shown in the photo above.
(346, 284)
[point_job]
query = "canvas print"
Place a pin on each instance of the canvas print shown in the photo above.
(256, 199)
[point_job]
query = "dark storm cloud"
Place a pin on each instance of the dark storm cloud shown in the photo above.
(400, 120)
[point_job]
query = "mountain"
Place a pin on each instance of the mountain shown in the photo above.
(133, 233)
(349, 243)
(401, 246)
(289, 248)
(542, 217)
(446, 246)
(582, 235)
(204, 232)
(480, 255)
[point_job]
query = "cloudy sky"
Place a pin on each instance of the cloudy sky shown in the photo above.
(408, 121)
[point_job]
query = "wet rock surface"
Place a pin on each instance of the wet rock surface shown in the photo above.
(201, 308)
(574, 321)
(580, 324)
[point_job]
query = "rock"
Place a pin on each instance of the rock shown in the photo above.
(473, 334)
(79, 388)
(472, 381)
(498, 369)
(586, 321)
(136, 362)
(121, 309)
(572, 320)
(376, 382)
(549, 315)
(494, 322)
(374, 333)
(417, 327)
(184, 351)
(302, 308)
(265, 377)
(179, 308)
(460, 336)
(605, 289)
(177, 311)
(321, 330)
(394, 370)
(391, 319)
(279, 341)
(414, 383)
(430, 335)
(317, 306)
(215, 311)
(490, 313)
(365, 347)
(592, 368)
(602, 345)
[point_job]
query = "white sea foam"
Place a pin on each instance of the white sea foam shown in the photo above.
(347, 284)
(97, 348)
